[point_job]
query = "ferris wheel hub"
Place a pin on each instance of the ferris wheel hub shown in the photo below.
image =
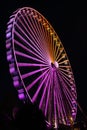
(55, 64)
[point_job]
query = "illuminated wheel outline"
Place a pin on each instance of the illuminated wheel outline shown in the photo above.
(39, 66)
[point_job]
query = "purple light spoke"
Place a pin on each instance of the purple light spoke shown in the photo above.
(38, 30)
(41, 37)
(70, 96)
(27, 27)
(69, 89)
(54, 95)
(36, 41)
(36, 47)
(61, 100)
(65, 89)
(43, 31)
(63, 108)
(33, 72)
(66, 75)
(21, 64)
(35, 25)
(48, 96)
(47, 36)
(36, 80)
(41, 28)
(57, 96)
(66, 80)
(40, 33)
(39, 40)
(43, 34)
(64, 83)
(66, 70)
(27, 49)
(26, 42)
(33, 35)
(29, 19)
(58, 105)
(68, 93)
(55, 113)
(69, 83)
(27, 56)
(44, 92)
(51, 42)
(39, 87)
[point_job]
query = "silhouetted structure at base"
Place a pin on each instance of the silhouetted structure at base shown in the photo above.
(76, 126)
(29, 116)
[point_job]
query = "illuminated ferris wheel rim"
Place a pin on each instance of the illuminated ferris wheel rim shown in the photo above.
(53, 63)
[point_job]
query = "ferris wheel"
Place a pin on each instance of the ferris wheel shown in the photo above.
(39, 66)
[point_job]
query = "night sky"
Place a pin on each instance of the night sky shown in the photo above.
(69, 20)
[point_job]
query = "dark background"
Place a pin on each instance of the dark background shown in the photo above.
(69, 20)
